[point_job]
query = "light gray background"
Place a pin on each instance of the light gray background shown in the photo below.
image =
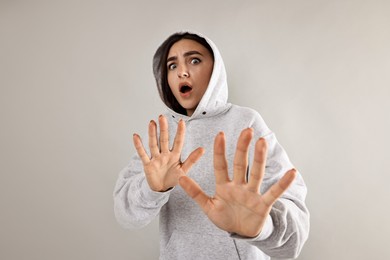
(76, 82)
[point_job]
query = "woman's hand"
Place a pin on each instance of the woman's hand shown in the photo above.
(164, 168)
(237, 206)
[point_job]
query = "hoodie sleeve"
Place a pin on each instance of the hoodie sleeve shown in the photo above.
(287, 227)
(135, 204)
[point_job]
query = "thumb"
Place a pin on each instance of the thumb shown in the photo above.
(194, 191)
(192, 159)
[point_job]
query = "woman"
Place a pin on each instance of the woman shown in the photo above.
(256, 211)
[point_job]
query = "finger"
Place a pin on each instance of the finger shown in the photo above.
(194, 191)
(240, 165)
(164, 139)
(140, 149)
(258, 166)
(153, 145)
(220, 162)
(192, 159)
(179, 138)
(279, 188)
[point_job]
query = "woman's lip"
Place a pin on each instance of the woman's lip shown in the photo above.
(186, 94)
(185, 83)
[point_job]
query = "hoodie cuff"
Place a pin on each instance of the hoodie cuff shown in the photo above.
(267, 230)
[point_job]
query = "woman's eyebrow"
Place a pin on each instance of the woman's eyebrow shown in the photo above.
(186, 54)
(189, 53)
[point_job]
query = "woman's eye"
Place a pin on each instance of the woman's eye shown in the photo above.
(195, 61)
(172, 66)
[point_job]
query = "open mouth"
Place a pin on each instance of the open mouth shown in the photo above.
(185, 89)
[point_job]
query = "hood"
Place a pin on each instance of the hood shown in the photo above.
(214, 100)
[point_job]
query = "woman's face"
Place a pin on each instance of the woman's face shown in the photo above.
(189, 66)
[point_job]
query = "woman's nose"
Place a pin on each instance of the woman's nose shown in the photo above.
(182, 72)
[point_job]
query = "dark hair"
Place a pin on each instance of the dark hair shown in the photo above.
(160, 67)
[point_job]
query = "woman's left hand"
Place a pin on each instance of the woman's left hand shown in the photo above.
(237, 206)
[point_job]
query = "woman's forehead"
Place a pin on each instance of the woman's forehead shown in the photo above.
(185, 45)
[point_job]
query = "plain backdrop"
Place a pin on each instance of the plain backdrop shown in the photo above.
(76, 82)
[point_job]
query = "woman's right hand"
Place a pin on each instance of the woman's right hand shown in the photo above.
(163, 168)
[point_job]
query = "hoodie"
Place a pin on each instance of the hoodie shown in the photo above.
(185, 231)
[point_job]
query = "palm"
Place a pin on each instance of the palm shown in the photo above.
(235, 210)
(164, 168)
(237, 205)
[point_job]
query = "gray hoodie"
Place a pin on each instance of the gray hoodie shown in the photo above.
(185, 231)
